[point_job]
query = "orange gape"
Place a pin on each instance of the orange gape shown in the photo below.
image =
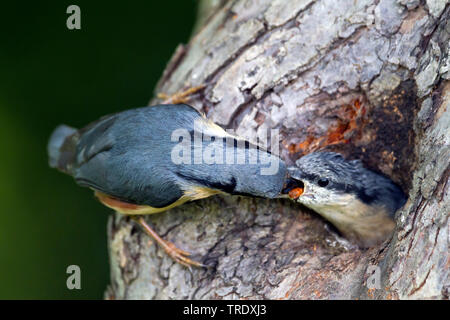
(295, 193)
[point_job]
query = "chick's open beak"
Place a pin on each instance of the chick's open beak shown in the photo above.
(295, 193)
(294, 188)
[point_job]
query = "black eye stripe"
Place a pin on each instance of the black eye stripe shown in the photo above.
(332, 185)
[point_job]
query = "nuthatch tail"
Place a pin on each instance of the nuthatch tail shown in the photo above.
(151, 159)
(358, 201)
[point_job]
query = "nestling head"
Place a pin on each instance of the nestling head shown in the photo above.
(358, 201)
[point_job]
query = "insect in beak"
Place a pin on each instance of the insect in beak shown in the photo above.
(293, 188)
(295, 193)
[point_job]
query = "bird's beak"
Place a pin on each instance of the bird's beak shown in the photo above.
(295, 193)
(294, 188)
(304, 192)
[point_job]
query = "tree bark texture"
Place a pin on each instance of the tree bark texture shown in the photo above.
(296, 66)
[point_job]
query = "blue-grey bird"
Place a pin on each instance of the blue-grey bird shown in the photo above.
(358, 201)
(151, 159)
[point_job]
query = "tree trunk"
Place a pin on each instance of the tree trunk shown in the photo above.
(297, 66)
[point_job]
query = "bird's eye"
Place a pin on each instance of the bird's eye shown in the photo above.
(323, 182)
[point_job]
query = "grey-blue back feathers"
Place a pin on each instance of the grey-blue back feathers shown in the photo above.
(128, 156)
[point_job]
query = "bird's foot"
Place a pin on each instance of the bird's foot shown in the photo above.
(173, 251)
(180, 255)
(179, 97)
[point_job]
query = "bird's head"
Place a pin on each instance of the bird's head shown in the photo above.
(358, 201)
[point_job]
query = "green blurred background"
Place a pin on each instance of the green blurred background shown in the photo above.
(52, 75)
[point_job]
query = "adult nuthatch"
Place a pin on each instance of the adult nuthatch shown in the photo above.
(151, 159)
(359, 202)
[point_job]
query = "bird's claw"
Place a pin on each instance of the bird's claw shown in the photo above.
(180, 255)
(172, 250)
(179, 97)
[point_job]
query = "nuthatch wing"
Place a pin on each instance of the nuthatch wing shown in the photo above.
(147, 160)
(358, 201)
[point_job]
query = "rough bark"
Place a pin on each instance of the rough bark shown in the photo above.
(293, 65)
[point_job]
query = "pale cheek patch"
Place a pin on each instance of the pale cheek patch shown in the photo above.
(367, 225)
